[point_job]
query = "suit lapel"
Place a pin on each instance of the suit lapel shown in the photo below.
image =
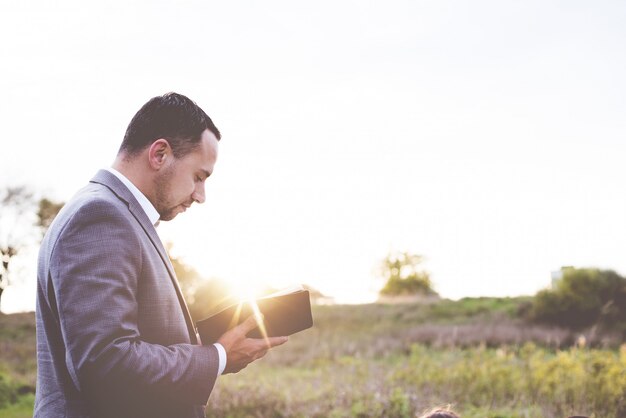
(121, 191)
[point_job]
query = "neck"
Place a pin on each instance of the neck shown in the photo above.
(132, 170)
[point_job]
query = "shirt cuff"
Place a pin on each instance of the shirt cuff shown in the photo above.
(222, 355)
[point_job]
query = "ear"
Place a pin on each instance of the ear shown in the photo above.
(159, 153)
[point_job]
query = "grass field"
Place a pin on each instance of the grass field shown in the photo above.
(395, 361)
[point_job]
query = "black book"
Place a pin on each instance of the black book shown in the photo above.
(284, 313)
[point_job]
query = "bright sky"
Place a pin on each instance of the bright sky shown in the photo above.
(488, 136)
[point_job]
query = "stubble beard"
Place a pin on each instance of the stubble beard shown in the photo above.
(163, 188)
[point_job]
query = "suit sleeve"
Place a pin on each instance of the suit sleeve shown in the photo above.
(94, 268)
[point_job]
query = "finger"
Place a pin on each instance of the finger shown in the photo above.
(274, 341)
(249, 324)
(270, 341)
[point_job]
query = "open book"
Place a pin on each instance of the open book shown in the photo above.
(284, 313)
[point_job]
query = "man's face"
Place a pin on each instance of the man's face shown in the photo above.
(182, 182)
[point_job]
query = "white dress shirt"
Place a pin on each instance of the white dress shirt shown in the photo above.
(154, 216)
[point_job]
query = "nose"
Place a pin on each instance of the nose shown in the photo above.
(198, 193)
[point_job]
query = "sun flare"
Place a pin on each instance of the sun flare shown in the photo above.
(244, 291)
(246, 294)
(259, 320)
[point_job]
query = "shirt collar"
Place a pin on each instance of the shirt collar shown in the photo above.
(145, 204)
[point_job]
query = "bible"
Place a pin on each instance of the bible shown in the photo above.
(284, 313)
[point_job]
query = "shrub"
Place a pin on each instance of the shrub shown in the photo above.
(403, 276)
(7, 391)
(583, 298)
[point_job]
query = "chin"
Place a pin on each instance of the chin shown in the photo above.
(168, 216)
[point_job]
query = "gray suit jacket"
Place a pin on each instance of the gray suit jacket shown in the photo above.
(114, 335)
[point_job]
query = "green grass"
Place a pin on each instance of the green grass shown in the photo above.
(23, 408)
(480, 382)
(396, 361)
(467, 308)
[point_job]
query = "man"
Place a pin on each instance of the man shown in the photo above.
(114, 335)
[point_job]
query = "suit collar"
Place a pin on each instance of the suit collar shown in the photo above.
(109, 180)
(143, 201)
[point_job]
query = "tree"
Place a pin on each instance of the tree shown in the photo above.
(188, 277)
(16, 204)
(404, 276)
(23, 221)
(46, 213)
(203, 296)
(582, 298)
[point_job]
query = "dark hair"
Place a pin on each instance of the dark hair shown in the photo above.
(440, 413)
(173, 117)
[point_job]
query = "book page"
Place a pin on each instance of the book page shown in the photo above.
(285, 291)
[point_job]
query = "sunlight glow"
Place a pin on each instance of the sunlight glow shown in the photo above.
(244, 291)
(500, 170)
(259, 320)
(247, 293)
(258, 316)
(235, 319)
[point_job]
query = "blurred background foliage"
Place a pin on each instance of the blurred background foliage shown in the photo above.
(558, 353)
(403, 275)
(395, 360)
(582, 298)
(24, 219)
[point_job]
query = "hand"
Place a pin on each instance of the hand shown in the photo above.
(241, 350)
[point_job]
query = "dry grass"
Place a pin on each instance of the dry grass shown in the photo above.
(18, 347)
(397, 360)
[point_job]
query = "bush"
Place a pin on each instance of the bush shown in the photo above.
(507, 382)
(403, 276)
(7, 391)
(583, 298)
